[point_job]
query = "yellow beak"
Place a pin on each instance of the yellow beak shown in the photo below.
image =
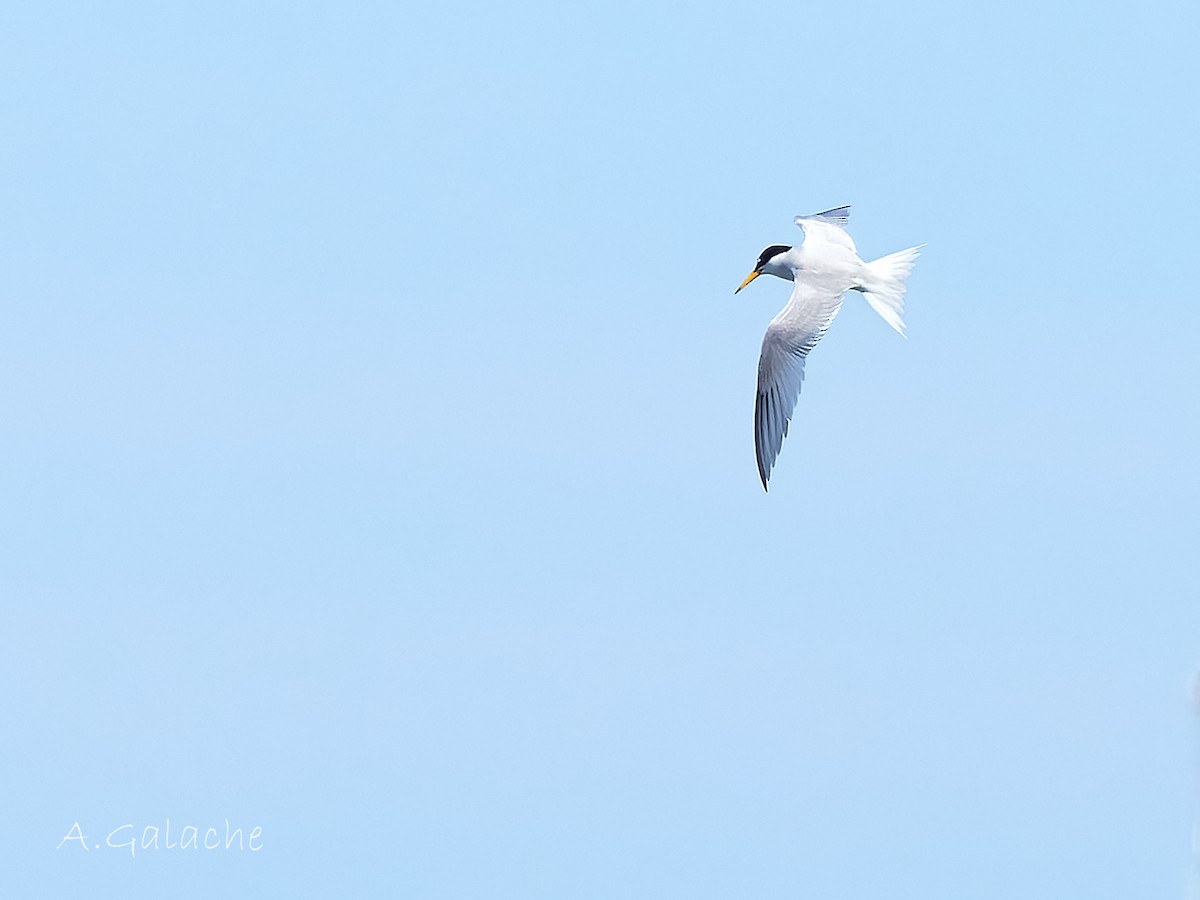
(749, 278)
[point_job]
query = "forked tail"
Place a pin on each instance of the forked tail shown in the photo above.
(884, 287)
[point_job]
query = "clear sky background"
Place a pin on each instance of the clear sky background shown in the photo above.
(378, 467)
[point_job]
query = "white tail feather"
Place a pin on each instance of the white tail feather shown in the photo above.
(883, 285)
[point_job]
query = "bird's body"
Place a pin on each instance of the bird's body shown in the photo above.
(823, 268)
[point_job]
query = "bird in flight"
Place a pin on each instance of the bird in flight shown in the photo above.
(823, 267)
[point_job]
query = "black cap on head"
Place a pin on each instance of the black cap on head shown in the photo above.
(765, 256)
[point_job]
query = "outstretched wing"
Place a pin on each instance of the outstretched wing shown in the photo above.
(827, 226)
(789, 338)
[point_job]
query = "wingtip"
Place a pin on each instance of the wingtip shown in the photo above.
(839, 215)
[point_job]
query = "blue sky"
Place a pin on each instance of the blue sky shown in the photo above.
(379, 468)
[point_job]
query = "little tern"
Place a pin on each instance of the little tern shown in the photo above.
(823, 267)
